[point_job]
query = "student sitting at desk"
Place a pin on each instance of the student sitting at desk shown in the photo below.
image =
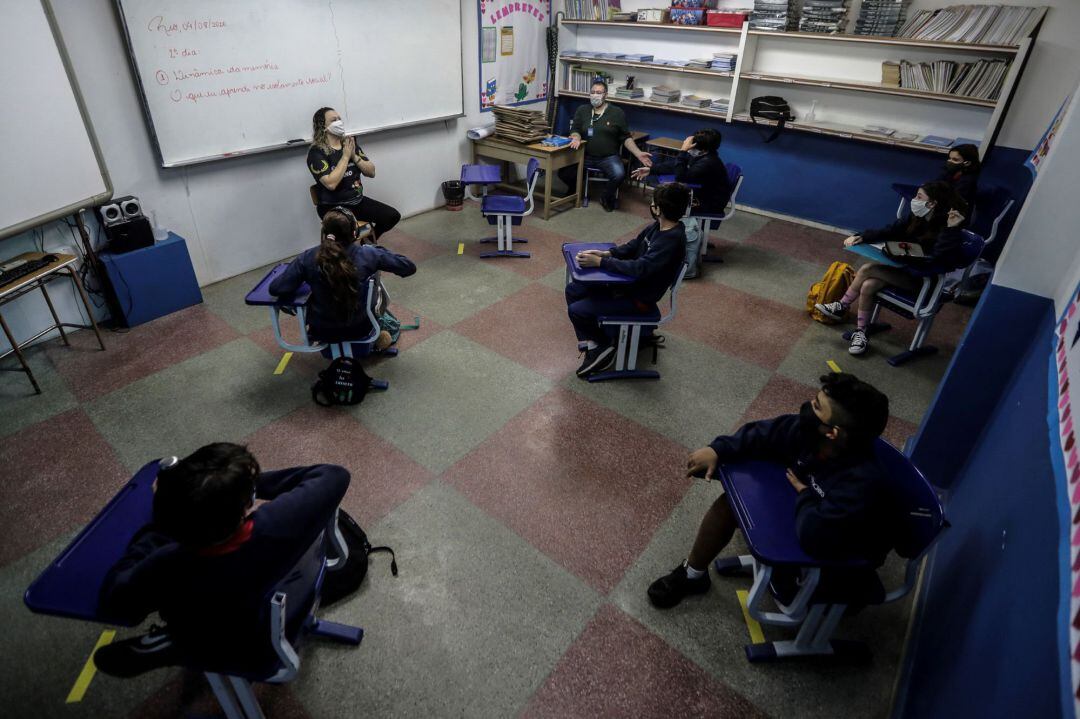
(604, 128)
(961, 172)
(698, 163)
(209, 557)
(654, 258)
(934, 225)
(842, 508)
(337, 163)
(337, 272)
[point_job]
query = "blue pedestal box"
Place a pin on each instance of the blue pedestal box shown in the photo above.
(152, 282)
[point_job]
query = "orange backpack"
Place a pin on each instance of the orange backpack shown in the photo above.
(830, 289)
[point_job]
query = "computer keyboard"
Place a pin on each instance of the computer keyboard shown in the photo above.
(19, 271)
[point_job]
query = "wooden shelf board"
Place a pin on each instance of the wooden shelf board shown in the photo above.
(721, 116)
(846, 132)
(646, 66)
(874, 87)
(655, 25)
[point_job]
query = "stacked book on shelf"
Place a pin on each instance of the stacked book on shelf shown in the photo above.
(824, 16)
(629, 93)
(637, 57)
(881, 17)
(981, 79)
(890, 73)
(593, 10)
(718, 105)
(579, 79)
(981, 24)
(696, 101)
(701, 63)
(664, 94)
(520, 125)
(777, 15)
(723, 61)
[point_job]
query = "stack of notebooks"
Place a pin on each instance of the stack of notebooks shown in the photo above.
(983, 24)
(718, 105)
(579, 79)
(778, 15)
(664, 94)
(696, 101)
(701, 63)
(890, 74)
(981, 79)
(632, 93)
(593, 10)
(520, 125)
(824, 16)
(723, 61)
(636, 57)
(881, 17)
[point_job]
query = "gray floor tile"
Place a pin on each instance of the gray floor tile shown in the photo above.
(449, 289)
(473, 625)
(700, 393)
(740, 226)
(226, 300)
(446, 229)
(22, 407)
(556, 279)
(221, 395)
(765, 274)
(711, 631)
(447, 394)
(589, 224)
(910, 388)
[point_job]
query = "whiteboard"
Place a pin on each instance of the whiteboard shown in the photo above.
(50, 165)
(229, 77)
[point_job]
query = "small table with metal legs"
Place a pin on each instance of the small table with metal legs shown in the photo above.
(63, 264)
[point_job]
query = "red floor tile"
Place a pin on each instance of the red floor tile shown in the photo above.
(737, 323)
(582, 484)
(189, 696)
(405, 244)
(529, 327)
(382, 476)
(899, 431)
(801, 242)
(618, 668)
(544, 247)
(136, 353)
(65, 472)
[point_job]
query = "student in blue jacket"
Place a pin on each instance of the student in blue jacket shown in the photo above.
(936, 225)
(209, 557)
(698, 163)
(843, 509)
(337, 272)
(653, 258)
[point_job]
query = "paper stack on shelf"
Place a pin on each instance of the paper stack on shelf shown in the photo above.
(879, 130)
(664, 94)
(824, 16)
(723, 61)
(701, 63)
(981, 79)
(890, 73)
(593, 9)
(696, 101)
(937, 140)
(881, 17)
(985, 24)
(718, 105)
(521, 125)
(778, 15)
(634, 57)
(630, 94)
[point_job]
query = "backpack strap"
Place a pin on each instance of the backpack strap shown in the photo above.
(775, 131)
(393, 559)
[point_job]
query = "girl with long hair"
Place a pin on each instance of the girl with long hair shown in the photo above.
(337, 271)
(937, 215)
(961, 172)
(337, 163)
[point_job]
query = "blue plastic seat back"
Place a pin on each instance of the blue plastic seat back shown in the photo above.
(990, 203)
(531, 169)
(734, 172)
(920, 516)
(972, 246)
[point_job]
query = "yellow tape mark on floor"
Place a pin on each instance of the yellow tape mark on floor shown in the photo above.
(461, 248)
(833, 366)
(283, 363)
(88, 670)
(756, 635)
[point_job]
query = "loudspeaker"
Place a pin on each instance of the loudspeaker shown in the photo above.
(111, 214)
(128, 235)
(131, 207)
(120, 209)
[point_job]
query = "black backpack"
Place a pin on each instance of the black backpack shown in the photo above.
(774, 108)
(345, 580)
(343, 382)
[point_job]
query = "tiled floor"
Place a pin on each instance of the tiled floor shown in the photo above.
(529, 510)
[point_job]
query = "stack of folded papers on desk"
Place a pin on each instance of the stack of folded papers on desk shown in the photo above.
(520, 125)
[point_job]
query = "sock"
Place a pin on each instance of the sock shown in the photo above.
(590, 345)
(848, 297)
(862, 319)
(692, 573)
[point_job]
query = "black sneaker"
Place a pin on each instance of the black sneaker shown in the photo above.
(607, 204)
(669, 590)
(138, 655)
(596, 359)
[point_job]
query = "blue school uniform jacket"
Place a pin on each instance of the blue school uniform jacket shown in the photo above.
(653, 257)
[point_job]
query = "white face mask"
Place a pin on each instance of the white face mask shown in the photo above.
(596, 100)
(919, 208)
(336, 128)
(694, 152)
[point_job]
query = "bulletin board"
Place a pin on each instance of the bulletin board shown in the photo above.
(513, 52)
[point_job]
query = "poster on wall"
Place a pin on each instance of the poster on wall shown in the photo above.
(1065, 457)
(513, 52)
(1046, 142)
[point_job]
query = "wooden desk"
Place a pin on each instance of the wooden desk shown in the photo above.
(37, 280)
(665, 144)
(551, 159)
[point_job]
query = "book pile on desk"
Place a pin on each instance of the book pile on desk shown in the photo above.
(723, 61)
(881, 17)
(521, 125)
(983, 24)
(981, 79)
(823, 16)
(696, 101)
(665, 94)
(778, 15)
(632, 93)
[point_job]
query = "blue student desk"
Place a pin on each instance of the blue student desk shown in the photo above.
(590, 274)
(260, 294)
(873, 253)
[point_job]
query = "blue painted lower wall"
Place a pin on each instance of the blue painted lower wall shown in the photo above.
(985, 641)
(844, 183)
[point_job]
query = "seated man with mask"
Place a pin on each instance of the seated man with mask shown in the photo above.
(604, 129)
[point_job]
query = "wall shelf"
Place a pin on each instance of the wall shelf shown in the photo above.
(653, 26)
(666, 107)
(866, 87)
(647, 66)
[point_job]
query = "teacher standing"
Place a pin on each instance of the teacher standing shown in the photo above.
(337, 164)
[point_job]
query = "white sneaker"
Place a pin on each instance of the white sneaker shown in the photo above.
(832, 310)
(859, 342)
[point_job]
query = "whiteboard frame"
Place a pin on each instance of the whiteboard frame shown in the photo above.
(93, 200)
(297, 142)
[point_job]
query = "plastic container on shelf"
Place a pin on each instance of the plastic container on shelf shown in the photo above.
(686, 16)
(717, 18)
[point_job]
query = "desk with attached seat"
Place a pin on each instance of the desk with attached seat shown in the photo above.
(551, 159)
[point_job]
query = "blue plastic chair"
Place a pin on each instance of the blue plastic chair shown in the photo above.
(764, 506)
(505, 211)
(713, 221)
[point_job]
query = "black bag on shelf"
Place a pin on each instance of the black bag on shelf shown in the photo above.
(773, 108)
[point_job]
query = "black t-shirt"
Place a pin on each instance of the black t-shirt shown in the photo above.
(349, 191)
